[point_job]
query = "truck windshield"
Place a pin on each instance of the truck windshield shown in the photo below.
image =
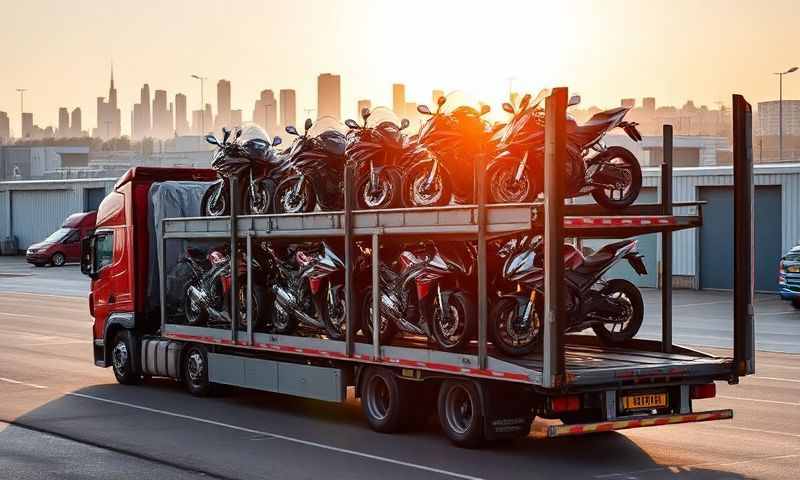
(58, 235)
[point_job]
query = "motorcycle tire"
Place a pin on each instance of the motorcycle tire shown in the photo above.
(197, 316)
(390, 195)
(259, 297)
(629, 162)
(388, 329)
(631, 328)
(462, 306)
(502, 312)
(441, 191)
(282, 323)
(265, 188)
(221, 207)
(501, 186)
(334, 315)
(306, 203)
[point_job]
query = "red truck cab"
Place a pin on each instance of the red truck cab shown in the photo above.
(63, 245)
(117, 256)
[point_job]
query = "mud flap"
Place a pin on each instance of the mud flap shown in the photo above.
(507, 409)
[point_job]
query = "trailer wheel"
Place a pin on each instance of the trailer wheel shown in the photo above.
(195, 371)
(383, 400)
(461, 413)
(122, 359)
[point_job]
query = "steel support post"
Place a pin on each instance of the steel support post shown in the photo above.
(743, 274)
(250, 288)
(666, 243)
(162, 277)
(234, 191)
(348, 257)
(376, 297)
(483, 314)
(554, 312)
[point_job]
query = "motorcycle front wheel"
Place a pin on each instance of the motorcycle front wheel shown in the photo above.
(215, 202)
(288, 201)
(508, 333)
(627, 323)
(626, 193)
(415, 194)
(257, 199)
(502, 187)
(386, 194)
(453, 326)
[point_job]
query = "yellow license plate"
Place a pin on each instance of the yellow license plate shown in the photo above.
(793, 269)
(644, 401)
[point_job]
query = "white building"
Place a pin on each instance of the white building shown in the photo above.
(768, 117)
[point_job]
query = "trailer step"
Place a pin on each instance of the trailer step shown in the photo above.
(553, 431)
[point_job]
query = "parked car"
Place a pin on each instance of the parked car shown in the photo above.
(789, 276)
(63, 245)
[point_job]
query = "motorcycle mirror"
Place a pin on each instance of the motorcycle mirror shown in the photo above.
(276, 141)
(212, 139)
(440, 101)
(308, 124)
(404, 123)
(365, 113)
(485, 109)
(423, 109)
(238, 133)
(574, 100)
(351, 123)
(291, 130)
(526, 100)
(508, 108)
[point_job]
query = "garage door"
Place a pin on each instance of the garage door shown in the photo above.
(716, 237)
(648, 246)
(35, 214)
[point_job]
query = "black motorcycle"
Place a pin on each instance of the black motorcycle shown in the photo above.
(308, 287)
(612, 308)
(375, 149)
(250, 157)
(422, 293)
(317, 158)
(208, 290)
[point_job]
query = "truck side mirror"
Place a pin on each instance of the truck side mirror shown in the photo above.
(87, 255)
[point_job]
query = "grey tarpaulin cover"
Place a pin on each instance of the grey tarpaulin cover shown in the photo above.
(170, 200)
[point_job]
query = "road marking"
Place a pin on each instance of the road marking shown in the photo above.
(775, 379)
(762, 400)
(775, 365)
(25, 315)
(790, 312)
(45, 344)
(758, 430)
(17, 382)
(277, 436)
(41, 294)
(628, 475)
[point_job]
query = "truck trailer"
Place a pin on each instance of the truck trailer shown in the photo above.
(478, 393)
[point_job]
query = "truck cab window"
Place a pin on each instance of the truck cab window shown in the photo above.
(103, 250)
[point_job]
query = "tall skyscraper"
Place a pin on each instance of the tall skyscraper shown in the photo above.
(76, 123)
(399, 99)
(288, 106)
(142, 120)
(5, 127)
(362, 104)
(649, 104)
(27, 125)
(181, 124)
(108, 114)
(162, 118)
(223, 104)
(628, 102)
(435, 98)
(265, 112)
(63, 123)
(208, 116)
(329, 96)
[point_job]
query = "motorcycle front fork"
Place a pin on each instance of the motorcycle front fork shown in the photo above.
(521, 168)
(298, 185)
(431, 175)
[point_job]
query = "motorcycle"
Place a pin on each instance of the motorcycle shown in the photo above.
(251, 157)
(612, 175)
(612, 308)
(442, 165)
(422, 294)
(308, 287)
(207, 292)
(317, 157)
(375, 148)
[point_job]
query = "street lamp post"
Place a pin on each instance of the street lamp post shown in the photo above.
(202, 103)
(780, 109)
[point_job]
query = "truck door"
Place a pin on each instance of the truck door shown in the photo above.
(102, 292)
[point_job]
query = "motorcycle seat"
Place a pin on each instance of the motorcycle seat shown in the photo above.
(601, 257)
(595, 126)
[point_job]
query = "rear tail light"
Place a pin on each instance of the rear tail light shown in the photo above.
(566, 403)
(708, 390)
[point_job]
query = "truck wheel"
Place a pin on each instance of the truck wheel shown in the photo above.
(58, 259)
(461, 413)
(195, 371)
(383, 400)
(122, 359)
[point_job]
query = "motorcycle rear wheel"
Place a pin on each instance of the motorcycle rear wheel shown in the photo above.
(507, 336)
(623, 289)
(623, 159)
(285, 202)
(454, 328)
(414, 195)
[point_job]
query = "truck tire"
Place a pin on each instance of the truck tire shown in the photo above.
(384, 400)
(195, 371)
(461, 413)
(122, 359)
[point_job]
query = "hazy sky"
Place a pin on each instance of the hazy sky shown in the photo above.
(604, 50)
